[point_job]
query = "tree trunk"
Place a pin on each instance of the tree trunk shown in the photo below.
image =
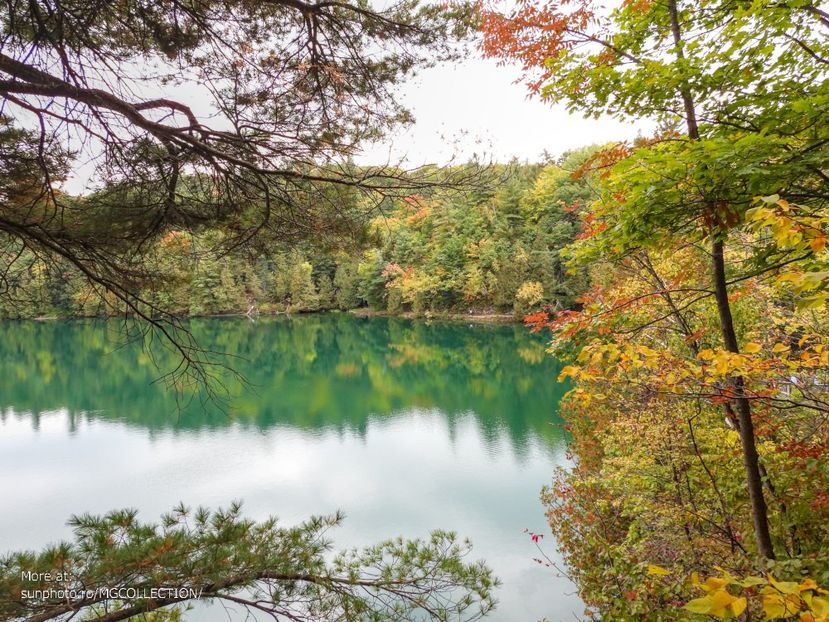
(751, 460)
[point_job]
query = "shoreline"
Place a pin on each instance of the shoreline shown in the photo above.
(361, 312)
(481, 318)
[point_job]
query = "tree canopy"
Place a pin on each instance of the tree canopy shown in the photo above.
(187, 115)
(491, 250)
(707, 310)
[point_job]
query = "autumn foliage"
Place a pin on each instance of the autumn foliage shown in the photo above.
(699, 355)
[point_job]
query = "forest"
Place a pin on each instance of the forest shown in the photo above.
(493, 248)
(681, 277)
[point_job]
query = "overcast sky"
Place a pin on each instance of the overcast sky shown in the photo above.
(461, 109)
(476, 105)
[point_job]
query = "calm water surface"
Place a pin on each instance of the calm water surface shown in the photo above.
(406, 426)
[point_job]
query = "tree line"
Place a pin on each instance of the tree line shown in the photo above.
(493, 249)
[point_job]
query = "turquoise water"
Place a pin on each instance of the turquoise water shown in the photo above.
(406, 426)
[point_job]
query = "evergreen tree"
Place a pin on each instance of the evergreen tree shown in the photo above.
(346, 282)
(259, 566)
(301, 290)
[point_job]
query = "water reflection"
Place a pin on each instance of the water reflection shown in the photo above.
(314, 373)
(405, 426)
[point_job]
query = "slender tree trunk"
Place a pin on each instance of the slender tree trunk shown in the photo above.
(751, 460)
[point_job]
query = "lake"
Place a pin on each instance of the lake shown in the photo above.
(406, 426)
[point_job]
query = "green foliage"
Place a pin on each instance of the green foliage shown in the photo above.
(703, 336)
(258, 565)
(326, 296)
(302, 293)
(475, 253)
(346, 284)
(448, 251)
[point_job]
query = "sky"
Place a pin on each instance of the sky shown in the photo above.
(462, 109)
(476, 107)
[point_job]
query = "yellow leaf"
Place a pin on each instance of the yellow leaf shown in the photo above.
(721, 364)
(568, 370)
(752, 348)
(779, 347)
(715, 604)
(811, 302)
(820, 606)
(808, 584)
(714, 583)
(724, 574)
(646, 351)
(699, 605)
(787, 587)
(721, 602)
(774, 606)
(658, 570)
(752, 581)
(777, 606)
(739, 605)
